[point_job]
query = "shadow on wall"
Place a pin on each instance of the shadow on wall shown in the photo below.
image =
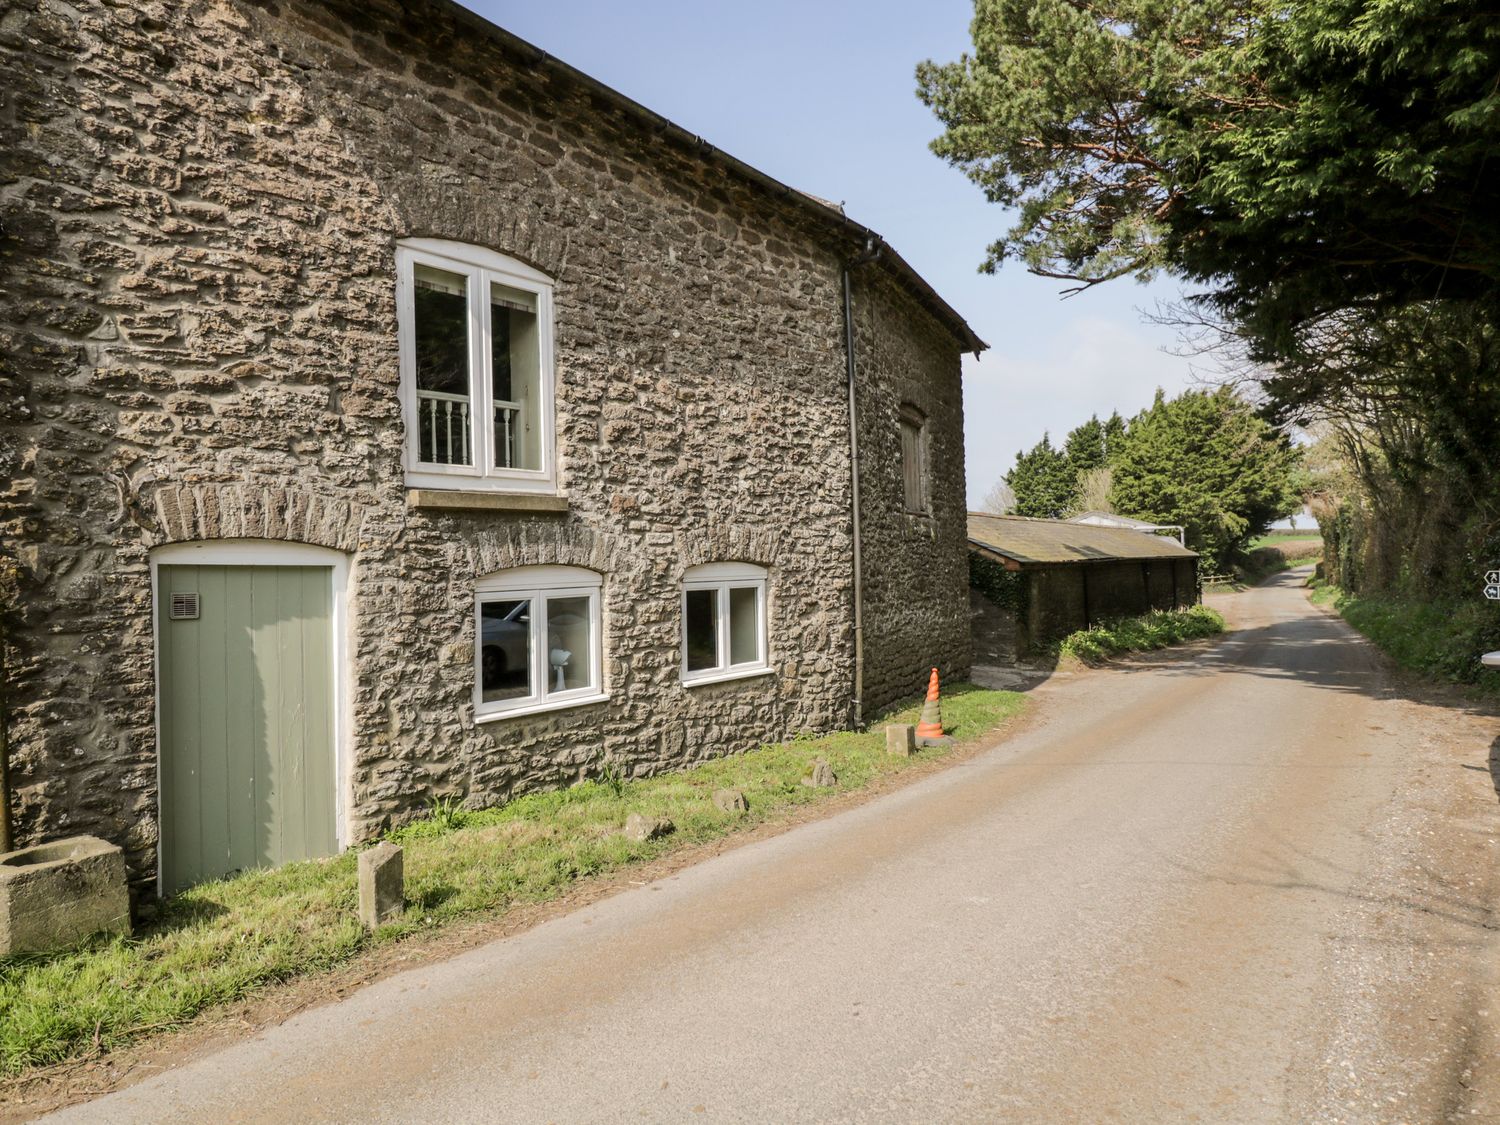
(247, 696)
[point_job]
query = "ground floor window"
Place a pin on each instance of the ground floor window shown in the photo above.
(538, 640)
(723, 622)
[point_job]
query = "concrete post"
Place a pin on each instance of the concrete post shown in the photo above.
(900, 740)
(382, 885)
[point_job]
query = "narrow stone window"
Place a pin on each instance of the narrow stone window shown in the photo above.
(914, 458)
(538, 641)
(475, 334)
(723, 622)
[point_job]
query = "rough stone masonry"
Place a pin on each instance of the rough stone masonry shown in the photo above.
(199, 204)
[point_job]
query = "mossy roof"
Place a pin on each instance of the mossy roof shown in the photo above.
(1034, 542)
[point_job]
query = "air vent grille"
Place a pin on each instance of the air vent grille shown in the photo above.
(184, 607)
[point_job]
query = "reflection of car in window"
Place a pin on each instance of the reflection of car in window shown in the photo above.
(505, 645)
(537, 635)
(505, 642)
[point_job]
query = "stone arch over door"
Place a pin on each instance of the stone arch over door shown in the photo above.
(186, 513)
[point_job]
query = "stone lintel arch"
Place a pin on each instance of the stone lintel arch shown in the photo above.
(250, 511)
(533, 544)
(727, 544)
(471, 212)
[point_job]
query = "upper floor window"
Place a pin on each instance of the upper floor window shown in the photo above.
(723, 622)
(475, 333)
(537, 640)
(914, 458)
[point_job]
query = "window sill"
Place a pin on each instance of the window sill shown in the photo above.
(724, 677)
(485, 501)
(538, 708)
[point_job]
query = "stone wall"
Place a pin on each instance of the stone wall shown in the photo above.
(200, 202)
(994, 631)
(916, 566)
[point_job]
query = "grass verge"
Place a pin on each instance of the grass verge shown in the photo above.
(221, 941)
(1139, 634)
(1441, 639)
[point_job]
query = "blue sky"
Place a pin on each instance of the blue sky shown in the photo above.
(821, 95)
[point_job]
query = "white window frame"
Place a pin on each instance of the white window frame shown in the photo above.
(480, 267)
(540, 584)
(723, 577)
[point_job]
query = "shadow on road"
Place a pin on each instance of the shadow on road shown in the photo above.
(1318, 649)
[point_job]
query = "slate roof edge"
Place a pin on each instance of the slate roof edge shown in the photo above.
(1027, 560)
(921, 290)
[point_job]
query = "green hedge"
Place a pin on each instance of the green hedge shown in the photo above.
(1443, 639)
(1138, 634)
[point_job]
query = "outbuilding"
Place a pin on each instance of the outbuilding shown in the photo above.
(1033, 580)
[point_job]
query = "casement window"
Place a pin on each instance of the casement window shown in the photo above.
(723, 622)
(914, 458)
(538, 640)
(475, 335)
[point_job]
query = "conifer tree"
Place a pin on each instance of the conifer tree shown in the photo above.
(1114, 433)
(1207, 461)
(1085, 449)
(1041, 481)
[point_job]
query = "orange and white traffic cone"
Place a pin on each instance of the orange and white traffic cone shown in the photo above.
(930, 727)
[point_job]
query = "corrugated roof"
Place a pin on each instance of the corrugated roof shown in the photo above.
(1112, 518)
(1032, 542)
(660, 127)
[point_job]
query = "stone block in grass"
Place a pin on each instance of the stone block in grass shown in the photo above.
(54, 895)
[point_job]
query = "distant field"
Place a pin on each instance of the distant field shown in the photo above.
(1282, 538)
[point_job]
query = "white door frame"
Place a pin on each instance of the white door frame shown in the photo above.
(269, 552)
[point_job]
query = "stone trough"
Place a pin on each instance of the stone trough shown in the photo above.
(55, 895)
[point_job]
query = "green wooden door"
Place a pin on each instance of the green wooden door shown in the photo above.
(246, 698)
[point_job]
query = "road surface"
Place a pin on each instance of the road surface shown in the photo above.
(1244, 882)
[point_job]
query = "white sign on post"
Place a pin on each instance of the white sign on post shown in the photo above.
(1492, 592)
(1492, 578)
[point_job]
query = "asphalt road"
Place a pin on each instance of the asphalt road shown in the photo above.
(1248, 881)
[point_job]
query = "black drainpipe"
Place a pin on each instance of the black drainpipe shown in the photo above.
(7, 839)
(869, 254)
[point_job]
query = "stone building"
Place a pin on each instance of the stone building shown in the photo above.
(390, 411)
